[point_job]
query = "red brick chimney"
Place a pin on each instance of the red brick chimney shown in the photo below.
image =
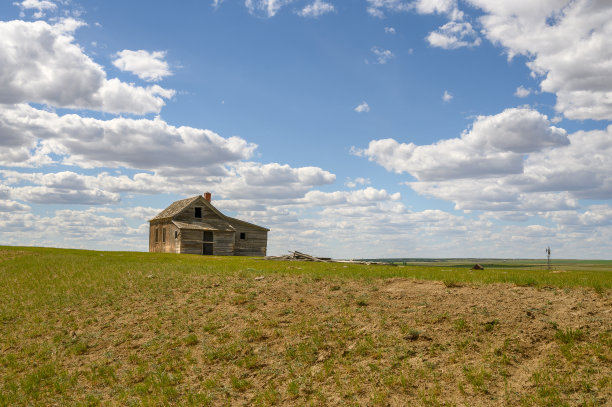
(207, 196)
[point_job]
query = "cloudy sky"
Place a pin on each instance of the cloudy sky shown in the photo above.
(365, 128)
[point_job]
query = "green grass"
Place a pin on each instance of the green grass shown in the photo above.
(119, 328)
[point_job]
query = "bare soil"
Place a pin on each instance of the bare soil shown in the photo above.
(298, 340)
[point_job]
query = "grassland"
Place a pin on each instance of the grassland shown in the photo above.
(117, 328)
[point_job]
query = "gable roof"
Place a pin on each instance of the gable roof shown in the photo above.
(177, 207)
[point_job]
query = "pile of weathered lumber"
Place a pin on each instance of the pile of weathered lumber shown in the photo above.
(299, 256)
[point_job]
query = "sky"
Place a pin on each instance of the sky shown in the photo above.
(351, 129)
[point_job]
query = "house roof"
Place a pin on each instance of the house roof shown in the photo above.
(177, 207)
(246, 223)
(205, 226)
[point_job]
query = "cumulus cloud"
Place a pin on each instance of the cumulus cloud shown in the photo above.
(390, 30)
(568, 45)
(131, 143)
(376, 8)
(382, 55)
(271, 182)
(495, 145)
(12, 206)
(456, 33)
(73, 228)
(357, 181)
(250, 180)
(448, 7)
(453, 35)
(42, 64)
(39, 5)
(363, 107)
(522, 92)
(447, 97)
(362, 196)
(537, 167)
(317, 9)
(149, 66)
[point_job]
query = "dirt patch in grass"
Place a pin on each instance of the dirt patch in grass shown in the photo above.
(150, 338)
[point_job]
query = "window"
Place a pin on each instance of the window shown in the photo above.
(176, 234)
(156, 235)
(164, 235)
(242, 235)
(208, 236)
(198, 213)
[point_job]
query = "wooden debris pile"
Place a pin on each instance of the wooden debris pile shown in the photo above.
(299, 256)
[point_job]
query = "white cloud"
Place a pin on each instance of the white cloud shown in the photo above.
(514, 161)
(119, 142)
(357, 181)
(495, 145)
(447, 7)
(149, 66)
(362, 197)
(453, 35)
(376, 7)
(568, 44)
(382, 55)
(250, 180)
(363, 107)
(269, 8)
(73, 228)
(447, 97)
(316, 9)
(42, 64)
(39, 5)
(435, 6)
(390, 30)
(12, 206)
(522, 92)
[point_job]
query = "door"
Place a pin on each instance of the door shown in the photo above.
(207, 245)
(207, 248)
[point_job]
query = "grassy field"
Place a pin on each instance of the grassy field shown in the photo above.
(119, 328)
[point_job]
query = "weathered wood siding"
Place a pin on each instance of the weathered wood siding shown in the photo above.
(192, 242)
(255, 243)
(224, 244)
(170, 245)
(188, 214)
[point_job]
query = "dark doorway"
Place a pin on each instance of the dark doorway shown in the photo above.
(207, 248)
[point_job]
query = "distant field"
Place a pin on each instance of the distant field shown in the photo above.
(120, 328)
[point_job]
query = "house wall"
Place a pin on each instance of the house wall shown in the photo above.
(191, 242)
(224, 244)
(171, 245)
(255, 243)
(188, 214)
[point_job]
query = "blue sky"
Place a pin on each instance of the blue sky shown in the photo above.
(374, 128)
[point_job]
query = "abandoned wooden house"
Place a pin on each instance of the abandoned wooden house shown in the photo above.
(195, 226)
